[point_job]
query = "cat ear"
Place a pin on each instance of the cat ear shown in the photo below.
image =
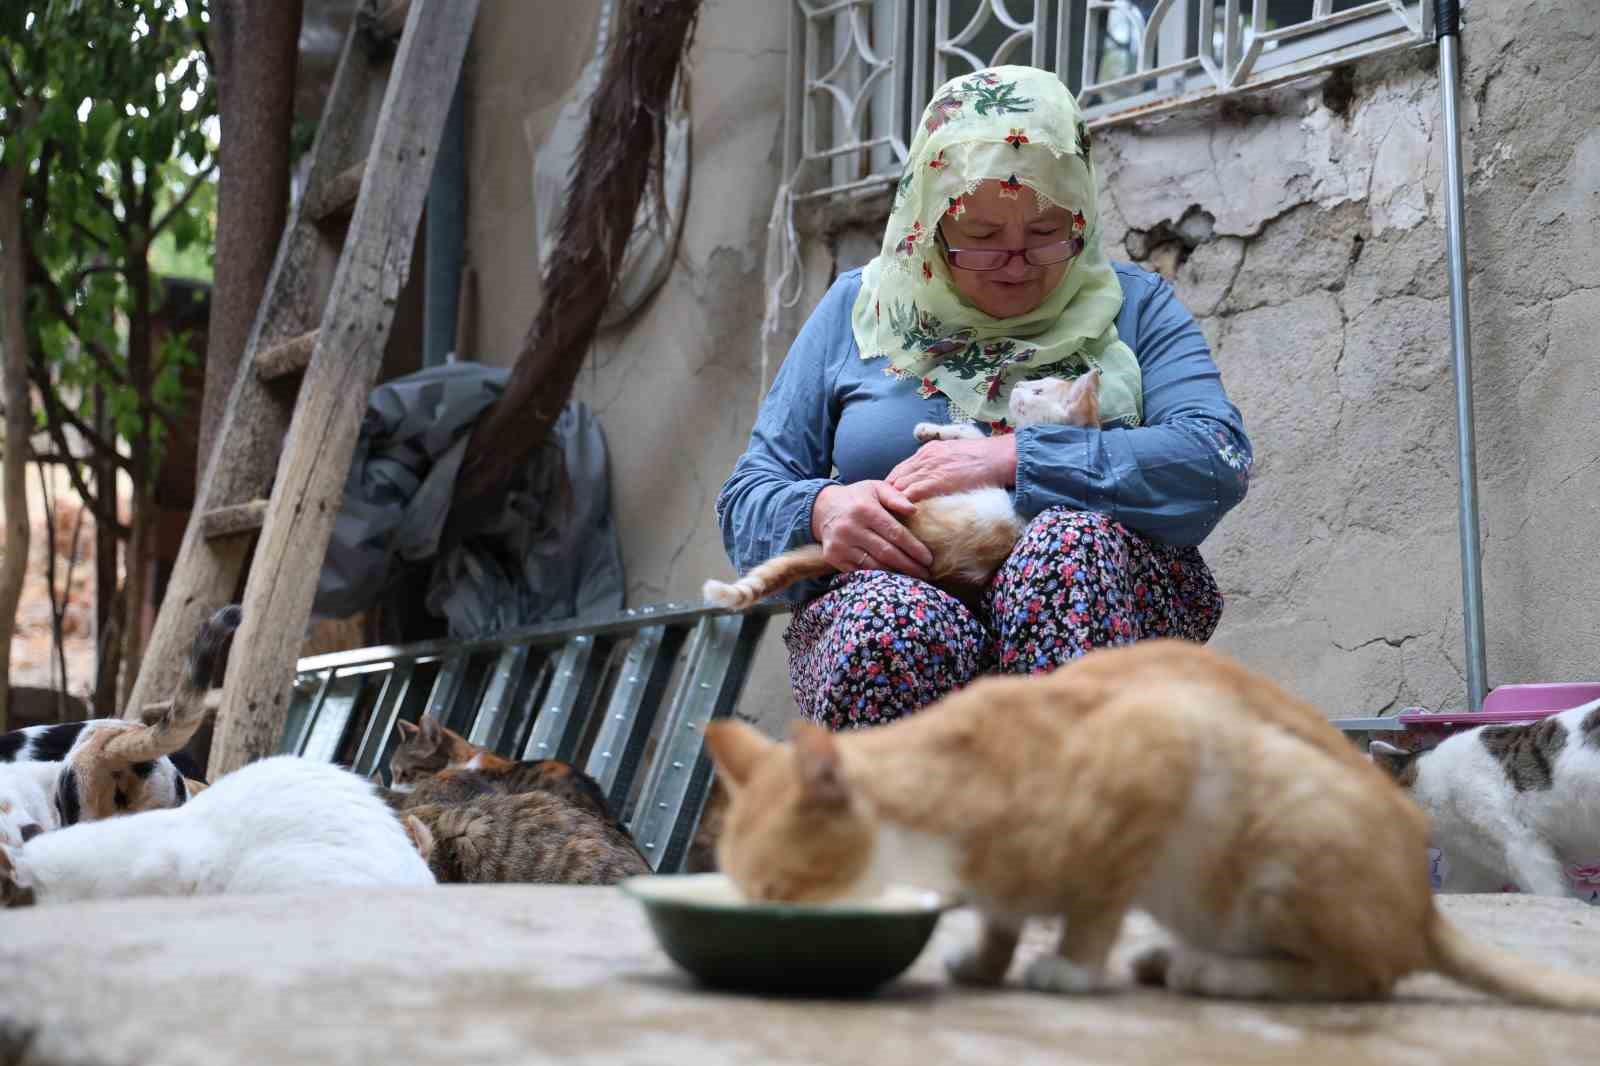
(421, 837)
(1083, 398)
(405, 730)
(736, 748)
(432, 731)
(1390, 758)
(821, 779)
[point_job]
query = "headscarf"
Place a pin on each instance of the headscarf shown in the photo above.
(1019, 126)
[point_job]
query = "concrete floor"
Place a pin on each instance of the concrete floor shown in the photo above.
(570, 975)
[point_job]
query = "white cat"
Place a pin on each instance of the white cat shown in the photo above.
(1516, 804)
(279, 825)
(27, 800)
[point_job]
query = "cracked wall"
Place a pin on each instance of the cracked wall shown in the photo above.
(1304, 228)
(1322, 286)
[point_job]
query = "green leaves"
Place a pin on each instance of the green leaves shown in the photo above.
(118, 101)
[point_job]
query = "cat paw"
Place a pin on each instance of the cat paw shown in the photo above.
(927, 431)
(1052, 973)
(968, 966)
(1151, 965)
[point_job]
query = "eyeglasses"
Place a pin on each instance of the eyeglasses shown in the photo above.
(996, 258)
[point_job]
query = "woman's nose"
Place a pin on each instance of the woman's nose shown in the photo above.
(1016, 269)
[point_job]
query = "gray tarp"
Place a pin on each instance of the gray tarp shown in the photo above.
(540, 558)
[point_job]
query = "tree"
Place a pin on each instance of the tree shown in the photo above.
(117, 157)
(622, 143)
(255, 46)
(18, 409)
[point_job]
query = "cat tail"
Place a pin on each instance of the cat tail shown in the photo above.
(171, 728)
(1503, 974)
(771, 577)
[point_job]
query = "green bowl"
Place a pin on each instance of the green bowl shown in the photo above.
(842, 949)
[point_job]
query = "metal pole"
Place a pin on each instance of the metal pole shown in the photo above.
(444, 242)
(1447, 23)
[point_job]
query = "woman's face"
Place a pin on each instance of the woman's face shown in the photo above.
(993, 220)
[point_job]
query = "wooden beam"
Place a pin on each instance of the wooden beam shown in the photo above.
(333, 393)
(286, 357)
(232, 521)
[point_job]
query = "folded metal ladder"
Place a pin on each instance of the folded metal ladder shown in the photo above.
(598, 693)
(286, 438)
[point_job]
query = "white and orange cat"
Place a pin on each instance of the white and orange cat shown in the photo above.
(969, 533)
(1160, 776)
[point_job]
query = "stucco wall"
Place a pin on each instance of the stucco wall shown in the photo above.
(1304, 227)
(676, 385)
(1323, 287)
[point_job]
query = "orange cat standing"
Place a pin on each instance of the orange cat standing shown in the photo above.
(1160, 776)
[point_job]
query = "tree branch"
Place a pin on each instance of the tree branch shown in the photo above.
(178, 205)
(621, 141)
(94, 239)
(56, 411)
(58, 306)
(96, 505)
(11, 76)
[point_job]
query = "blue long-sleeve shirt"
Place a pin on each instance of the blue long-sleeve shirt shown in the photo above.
(833, 418)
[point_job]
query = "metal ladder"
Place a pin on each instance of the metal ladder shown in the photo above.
(284, 446)
(600, 693)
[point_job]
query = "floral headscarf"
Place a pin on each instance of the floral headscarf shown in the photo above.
(1019, 126)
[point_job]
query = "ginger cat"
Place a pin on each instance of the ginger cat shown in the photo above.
(969, 533)
(1160, 776)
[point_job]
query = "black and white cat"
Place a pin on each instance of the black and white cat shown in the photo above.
(1510, 804)
(57, 775)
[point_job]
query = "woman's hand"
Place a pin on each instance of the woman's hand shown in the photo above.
(857, 528)
(942, 466)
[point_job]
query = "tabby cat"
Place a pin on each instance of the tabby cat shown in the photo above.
(478, 817)
(1159, 775)
(969, 533)
(432, 764)
(526, 837)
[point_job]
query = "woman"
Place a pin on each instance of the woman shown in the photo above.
(991, 272)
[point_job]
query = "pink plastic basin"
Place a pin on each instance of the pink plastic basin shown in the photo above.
(1515, 703)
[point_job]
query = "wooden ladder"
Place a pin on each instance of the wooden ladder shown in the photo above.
(311, 359)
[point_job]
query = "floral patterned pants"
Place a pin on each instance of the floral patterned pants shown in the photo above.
(879, 645)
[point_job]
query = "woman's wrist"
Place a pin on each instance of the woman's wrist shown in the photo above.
(819, 512)
(1003, 458)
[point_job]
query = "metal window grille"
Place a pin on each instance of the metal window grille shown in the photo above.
(860, 71)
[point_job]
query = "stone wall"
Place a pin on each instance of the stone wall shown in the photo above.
(1303, 226)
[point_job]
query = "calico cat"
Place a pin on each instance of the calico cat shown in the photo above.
(433, 764)
(1512, 804)
(109, 766)
(1159, 775)
(526, 837)
(969, 533)
(283, 824)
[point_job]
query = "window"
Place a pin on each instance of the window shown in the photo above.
(860, 71)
